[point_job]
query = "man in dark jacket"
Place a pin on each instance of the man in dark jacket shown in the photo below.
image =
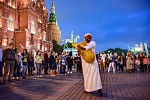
(9, 61)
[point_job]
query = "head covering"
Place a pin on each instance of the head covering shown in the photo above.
(87, 35)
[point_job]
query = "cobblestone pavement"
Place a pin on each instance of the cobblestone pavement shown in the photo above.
(118, 86)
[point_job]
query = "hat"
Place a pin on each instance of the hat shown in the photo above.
(87, 34)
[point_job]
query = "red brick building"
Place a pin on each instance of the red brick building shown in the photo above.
(25, 22)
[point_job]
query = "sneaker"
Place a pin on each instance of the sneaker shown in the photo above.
(23, 77)
(9, 80)
(41, 76)
(13, 78)
(68, 72)
(18, 78)
(38, 76)
(71, 72)
(53, 75)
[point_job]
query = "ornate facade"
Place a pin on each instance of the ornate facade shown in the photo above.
(25, 22)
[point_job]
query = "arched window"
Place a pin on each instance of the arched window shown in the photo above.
(44, 36)
(10, 24)
(32, 27)
(11, 3)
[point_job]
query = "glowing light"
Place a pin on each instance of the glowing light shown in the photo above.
(10, 24)
(45, 48)
(38, 46)
(137, 49)
(42, 48)
(4, 42)
(27, 44)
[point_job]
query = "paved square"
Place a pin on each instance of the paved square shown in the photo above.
(118, 86)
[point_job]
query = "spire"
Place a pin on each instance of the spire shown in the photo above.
(52, 9)
(52, 17)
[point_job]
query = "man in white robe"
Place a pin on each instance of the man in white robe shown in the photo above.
(92, 80)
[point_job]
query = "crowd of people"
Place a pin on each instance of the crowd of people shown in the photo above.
(126, 63)
(17, 65)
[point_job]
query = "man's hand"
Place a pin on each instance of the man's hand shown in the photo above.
(81, 47)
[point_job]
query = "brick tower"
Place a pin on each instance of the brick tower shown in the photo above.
(53, 28)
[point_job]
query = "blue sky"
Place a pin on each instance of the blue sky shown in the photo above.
(113, 23)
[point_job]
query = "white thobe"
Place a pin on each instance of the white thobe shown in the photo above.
(92, 80)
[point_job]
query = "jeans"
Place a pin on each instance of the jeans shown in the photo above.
(30, 67)
(62, 69)
(45, 67)
(17, 71)
(9, 68)
(39, 68)
(24, 69)
(69, 67)
(1, 67)
(112, 64)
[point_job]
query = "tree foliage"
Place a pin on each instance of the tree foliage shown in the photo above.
(117, 50)
(56, 47)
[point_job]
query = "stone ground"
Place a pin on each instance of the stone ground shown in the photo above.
(118, 86)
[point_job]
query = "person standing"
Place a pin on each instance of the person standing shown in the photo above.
(78, 62)
(92, 80)
(52, 64)
(38, 62)
(45, 63)
(145, 63)
(103, 59)
(17, 71)
(30, 64)
(25, 63)
(63, 63)
(111, 62)
(9, 59)
(69, 61)
(1, 62)
(129, 64)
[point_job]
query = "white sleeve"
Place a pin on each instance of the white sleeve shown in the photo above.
(91, 45)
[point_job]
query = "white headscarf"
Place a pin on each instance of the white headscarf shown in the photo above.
(87, 34)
